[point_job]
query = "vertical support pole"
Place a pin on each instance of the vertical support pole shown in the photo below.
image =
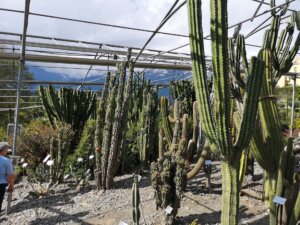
(293, 106)
(20, 74)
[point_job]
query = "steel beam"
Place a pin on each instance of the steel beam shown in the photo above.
(86, 61)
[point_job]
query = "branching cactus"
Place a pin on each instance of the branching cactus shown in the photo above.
(217, 120)
(68, 106)
(268, 142)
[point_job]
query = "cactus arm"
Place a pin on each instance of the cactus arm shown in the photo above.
(241, 44)
(161, 143)
(268, 112)
(221, 79)
(165, 121)
(191, 174)
(199, 68)
(243, 167)
(47, 106)
(263, 157)
(250, 105)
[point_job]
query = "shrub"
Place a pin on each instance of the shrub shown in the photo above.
(34, 142)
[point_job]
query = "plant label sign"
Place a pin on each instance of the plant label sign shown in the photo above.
(25, 165)
(87, 172)
(122, 223)
(279, 200)
(208, 162)
(91, 157)
(46, 159)
(50, 162)
(66, 176)
(168, 210)
(139, 178)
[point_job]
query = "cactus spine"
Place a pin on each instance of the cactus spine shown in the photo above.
(217, 122)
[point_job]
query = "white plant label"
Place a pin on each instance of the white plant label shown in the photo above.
(46, 159)
(168, 210)
(87, 172)
(22, 160)
(279, 200)
(66, 176)
(25, 165)
(91, 156)
(139, 178)
(208, 162)
(79, 159)
(50, 162)
(122, 223)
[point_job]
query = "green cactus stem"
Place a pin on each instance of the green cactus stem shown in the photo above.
(165, 120)
(120, 124)
(100, 120)
(135, 201)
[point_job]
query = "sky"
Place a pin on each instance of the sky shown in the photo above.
(145, 14)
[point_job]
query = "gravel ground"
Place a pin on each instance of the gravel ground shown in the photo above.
(91, 207)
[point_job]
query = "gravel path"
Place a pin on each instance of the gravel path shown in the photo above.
(91, 207)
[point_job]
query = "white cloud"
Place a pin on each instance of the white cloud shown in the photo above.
(133, 13)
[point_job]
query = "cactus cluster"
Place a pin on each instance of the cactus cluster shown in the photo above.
(114, 104)
(68, 106)
(147, 123)
(176, 129)
(184, 91)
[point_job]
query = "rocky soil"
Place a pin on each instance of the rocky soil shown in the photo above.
(90, 207)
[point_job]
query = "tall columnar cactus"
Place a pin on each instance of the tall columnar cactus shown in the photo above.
(100, 119)
(147, 124)
(217, 120)
(59, 150)
(165, 120)
(115, 124)
(135, 201)
(107, 136)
